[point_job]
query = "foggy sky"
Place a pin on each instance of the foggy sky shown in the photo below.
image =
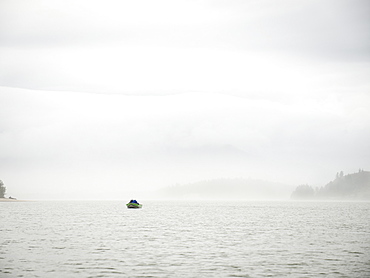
(99, 98)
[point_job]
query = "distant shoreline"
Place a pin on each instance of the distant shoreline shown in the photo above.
(10, 200)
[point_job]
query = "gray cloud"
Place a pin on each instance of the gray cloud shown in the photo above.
(334, 29)
(163, 47)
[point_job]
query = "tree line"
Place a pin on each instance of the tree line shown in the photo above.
(2, 189)
(351, 187)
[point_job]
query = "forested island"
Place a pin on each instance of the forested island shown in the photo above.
(354, 186)
(2, 193)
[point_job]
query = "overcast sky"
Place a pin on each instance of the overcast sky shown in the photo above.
(101, 98)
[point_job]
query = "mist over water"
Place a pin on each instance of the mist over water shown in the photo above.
(70, 145)
(185, 239)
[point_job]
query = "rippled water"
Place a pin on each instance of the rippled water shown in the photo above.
(185, 239)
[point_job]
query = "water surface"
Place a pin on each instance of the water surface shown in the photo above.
(185, 239)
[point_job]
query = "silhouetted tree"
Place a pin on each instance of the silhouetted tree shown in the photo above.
(2, 189)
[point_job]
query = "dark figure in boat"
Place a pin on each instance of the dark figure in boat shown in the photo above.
(134, 202)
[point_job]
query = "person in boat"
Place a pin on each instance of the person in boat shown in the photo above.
(135, 202)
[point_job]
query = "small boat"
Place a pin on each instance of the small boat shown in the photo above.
(133, 204)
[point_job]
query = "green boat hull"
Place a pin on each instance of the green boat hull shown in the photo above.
(134, 205)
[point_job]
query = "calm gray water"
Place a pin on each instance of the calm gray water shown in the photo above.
(185, 239)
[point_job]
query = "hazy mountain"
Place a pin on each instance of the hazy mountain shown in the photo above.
(344, 187)
(227, 188)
